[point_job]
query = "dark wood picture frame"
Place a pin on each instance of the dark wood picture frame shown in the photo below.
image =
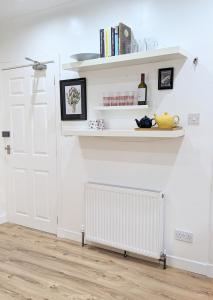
(73, 99)
(162, 74)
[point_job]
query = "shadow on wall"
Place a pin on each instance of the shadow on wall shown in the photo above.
(124, 150)
(148, 164)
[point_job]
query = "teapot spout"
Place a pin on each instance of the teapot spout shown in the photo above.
(138, 123)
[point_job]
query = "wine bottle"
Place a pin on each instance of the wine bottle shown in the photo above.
(142, 91)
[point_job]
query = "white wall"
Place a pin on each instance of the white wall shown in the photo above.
(181, 168)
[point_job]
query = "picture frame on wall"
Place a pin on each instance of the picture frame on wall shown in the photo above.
(166, 79)
(73, 99)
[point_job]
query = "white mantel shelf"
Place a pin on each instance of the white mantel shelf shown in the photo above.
(131, 133)
(157, 55)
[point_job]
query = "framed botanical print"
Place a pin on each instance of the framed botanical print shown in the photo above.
(73, 99)
(165, 79)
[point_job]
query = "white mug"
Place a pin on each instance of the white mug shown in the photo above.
(96, 124)
(101, 124)
(93, 124)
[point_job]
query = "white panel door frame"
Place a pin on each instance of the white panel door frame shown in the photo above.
(3, 171)
(39, 178)
(211, 224)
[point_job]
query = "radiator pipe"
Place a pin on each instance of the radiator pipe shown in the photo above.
(83, 237)
(163, 260)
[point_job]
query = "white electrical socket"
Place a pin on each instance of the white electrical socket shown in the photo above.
(184, 236)
(194, 119)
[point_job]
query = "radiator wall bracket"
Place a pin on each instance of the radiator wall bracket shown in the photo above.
(163, 260)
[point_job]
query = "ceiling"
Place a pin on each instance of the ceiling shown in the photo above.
(16, 8)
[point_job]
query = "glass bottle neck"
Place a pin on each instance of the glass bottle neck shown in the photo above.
(143, 78)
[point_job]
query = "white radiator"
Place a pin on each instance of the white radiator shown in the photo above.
(125, 218)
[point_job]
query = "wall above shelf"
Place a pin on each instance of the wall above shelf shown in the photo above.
(157, 55)
(131, 133)
(125, 108)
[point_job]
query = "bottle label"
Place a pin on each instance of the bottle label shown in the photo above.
(141, 96)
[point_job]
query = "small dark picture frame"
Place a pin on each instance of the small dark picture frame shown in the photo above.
(166, 79)
(73, 99)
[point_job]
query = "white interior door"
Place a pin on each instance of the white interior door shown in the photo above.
(31, 106)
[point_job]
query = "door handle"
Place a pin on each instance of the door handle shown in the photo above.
(8, 149)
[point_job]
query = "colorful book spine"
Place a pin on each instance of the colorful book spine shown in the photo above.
(106, 39)
(102, 44)
(112, 41)
(109, 41)
(117, 40)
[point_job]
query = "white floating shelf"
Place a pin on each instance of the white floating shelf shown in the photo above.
(157, 55)
(126, 107)
(124, 133)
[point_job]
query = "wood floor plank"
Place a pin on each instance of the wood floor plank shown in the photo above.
(38, 266)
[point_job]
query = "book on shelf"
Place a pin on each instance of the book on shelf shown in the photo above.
(109, 42)
(102, 44)
(115, 40)
(106, 42)
(112, 41)
(124, 39)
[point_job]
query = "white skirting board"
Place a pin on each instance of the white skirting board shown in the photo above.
(3, 218)
(172, 261)
(68, 234)
(210, 271)
(190, 265)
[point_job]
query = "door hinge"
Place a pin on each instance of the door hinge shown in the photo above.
(54, 81)
(57, 220)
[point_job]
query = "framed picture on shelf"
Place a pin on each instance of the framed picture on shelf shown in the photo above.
(73, 99)
(166, 79)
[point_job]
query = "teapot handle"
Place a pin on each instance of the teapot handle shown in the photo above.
(152, 122)
(176, 120)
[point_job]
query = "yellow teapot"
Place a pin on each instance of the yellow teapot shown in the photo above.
(166, 121)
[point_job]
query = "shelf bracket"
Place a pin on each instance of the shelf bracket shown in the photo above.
(196, 61)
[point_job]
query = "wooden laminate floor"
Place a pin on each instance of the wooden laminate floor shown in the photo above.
(37, 266)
